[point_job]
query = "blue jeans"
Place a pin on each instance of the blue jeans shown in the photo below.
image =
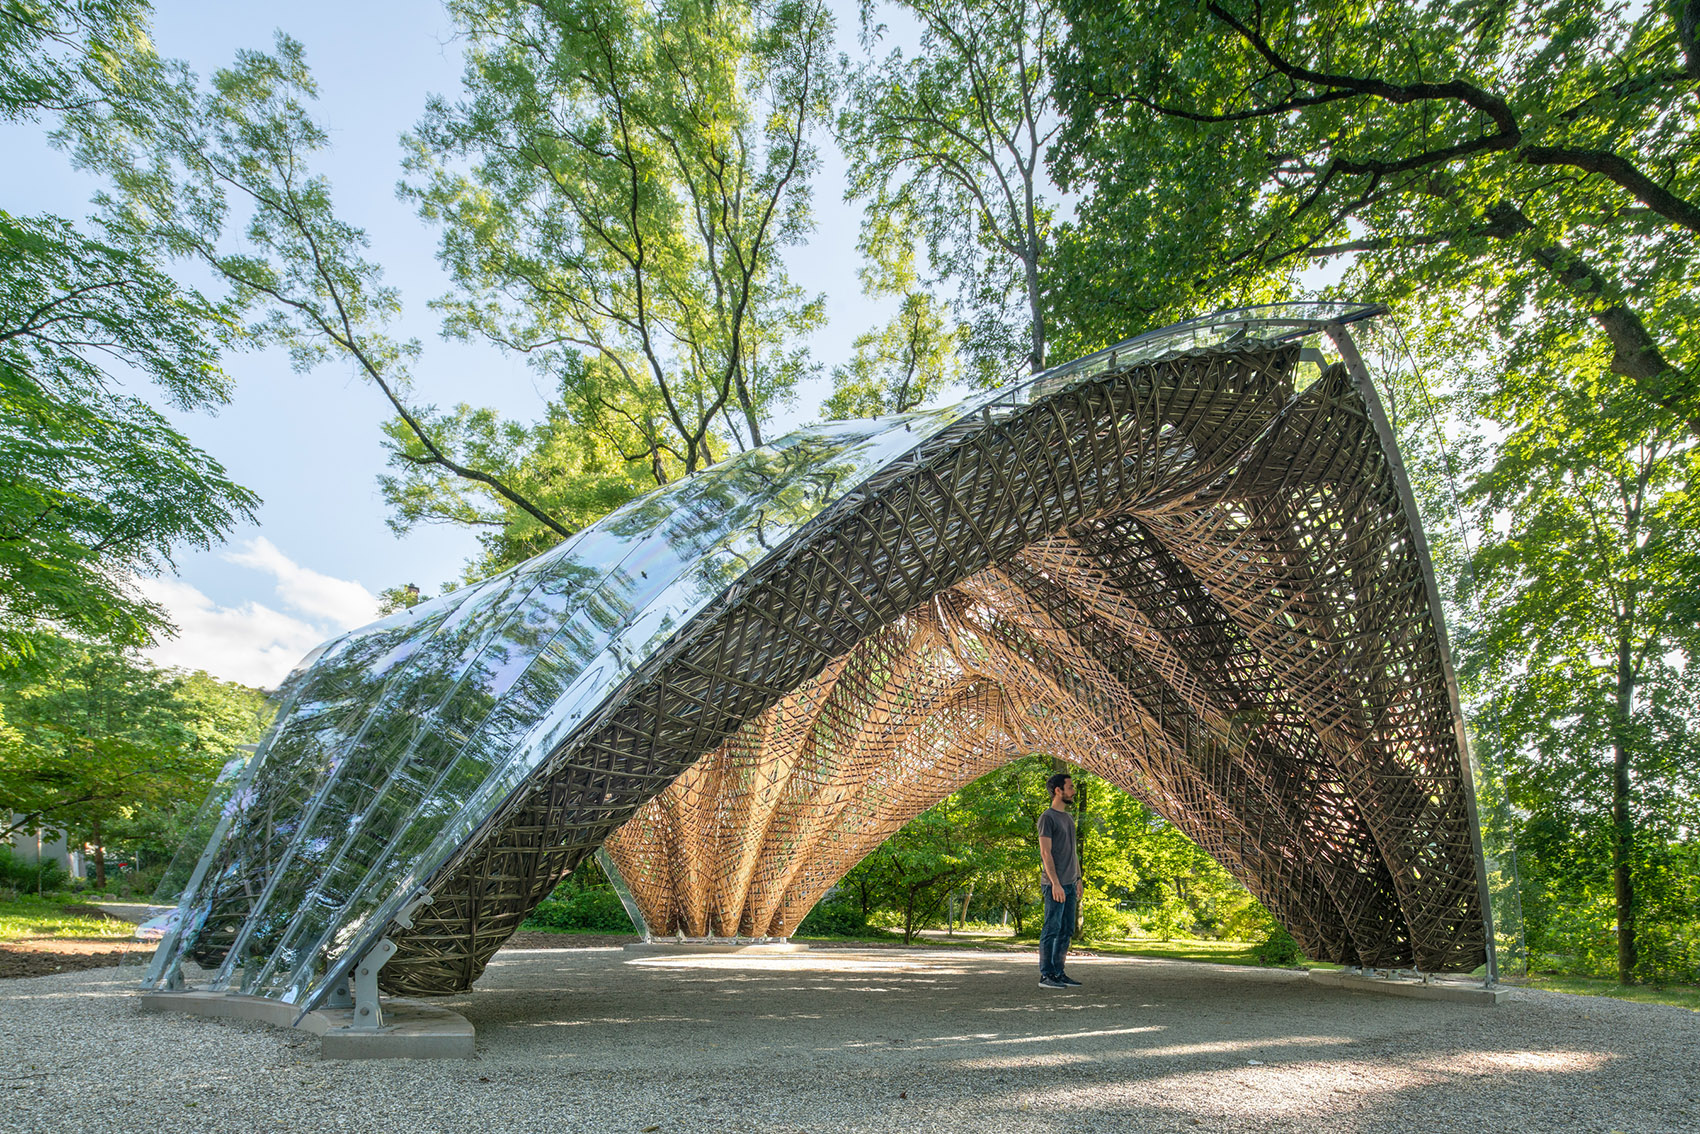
(1058, 929)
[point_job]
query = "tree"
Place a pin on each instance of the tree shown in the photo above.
(715, 183)
(950, 145)
(898, 367)
(574, 475)
(99, 487)
(914, 871)
(1590, 633)
(298, 273)
(57, 57)
(1540, 158)
(92, 737)
(635, 173)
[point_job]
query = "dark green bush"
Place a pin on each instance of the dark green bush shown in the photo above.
(29, 877)
(1278, 948)
(835, 919)
(589, 910)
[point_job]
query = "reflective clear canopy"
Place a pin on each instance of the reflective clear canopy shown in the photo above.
(396, 742)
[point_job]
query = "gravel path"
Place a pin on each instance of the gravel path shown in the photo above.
(837, 1041)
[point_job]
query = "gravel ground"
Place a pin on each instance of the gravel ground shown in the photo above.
(851, 1040)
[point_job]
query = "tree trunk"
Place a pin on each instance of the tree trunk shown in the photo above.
(967, 901)
(1623, 833)
(1036, 312)
(99, 857)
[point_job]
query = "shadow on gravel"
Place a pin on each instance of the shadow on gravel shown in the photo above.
(840, 1041)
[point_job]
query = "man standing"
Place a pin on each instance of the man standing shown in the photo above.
(1061, 883)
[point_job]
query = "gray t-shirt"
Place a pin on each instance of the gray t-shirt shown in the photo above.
(1058, 826)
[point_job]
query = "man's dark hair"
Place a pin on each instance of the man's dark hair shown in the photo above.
(1057, 781)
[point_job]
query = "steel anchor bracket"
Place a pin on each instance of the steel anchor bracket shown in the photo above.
(368, 1009)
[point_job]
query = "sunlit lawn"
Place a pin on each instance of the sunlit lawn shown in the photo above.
(1674, 995)
(1240, 953)
(1180, 949)
(29, 916)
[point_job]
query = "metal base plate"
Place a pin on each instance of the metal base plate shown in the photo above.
(1461, 992)
(412, 1029)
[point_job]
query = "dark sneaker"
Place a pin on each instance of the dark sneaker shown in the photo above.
(1047, 982)
(1068, 981)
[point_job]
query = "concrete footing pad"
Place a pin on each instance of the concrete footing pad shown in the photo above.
(1459, 992)
(674, 947)
(412, 1029)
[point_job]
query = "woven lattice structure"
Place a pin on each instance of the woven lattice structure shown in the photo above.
(1167, 563)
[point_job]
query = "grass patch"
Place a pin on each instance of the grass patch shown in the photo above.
(882, 937)
(1673, 995)
(1180, 949)
(29, 916)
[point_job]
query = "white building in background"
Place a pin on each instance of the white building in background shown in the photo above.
(39, 844)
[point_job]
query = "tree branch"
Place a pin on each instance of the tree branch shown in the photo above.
(1635, 353)
(1622, 171)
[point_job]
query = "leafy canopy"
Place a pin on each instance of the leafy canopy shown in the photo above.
(615, 191)
(948, 148)
(100, 487)
(1540, 161)
(89, 735)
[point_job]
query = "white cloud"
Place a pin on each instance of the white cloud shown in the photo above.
(343, 603)
(251, 642)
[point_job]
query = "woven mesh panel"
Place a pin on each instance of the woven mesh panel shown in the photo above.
(1178, 575)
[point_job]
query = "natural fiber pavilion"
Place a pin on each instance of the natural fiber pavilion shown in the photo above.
(1172, 563)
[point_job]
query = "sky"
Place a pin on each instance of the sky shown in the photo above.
(309, 444)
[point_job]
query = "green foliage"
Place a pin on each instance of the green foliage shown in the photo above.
(1583, 659)
(404, 597)
(584, 911)
(1141, 874)
(898, 367)
(913, 872)
(99, 487)
(583, 902)
(1278, 948)
(573, 474)
(222, 174)
(22, 877)
(615, 192)
(56, 56)
(1102, 920)
(838, 915)
(91, 737)
(947, 146)
(1535, 164)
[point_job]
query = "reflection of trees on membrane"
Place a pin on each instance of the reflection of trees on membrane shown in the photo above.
(1163, 563)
